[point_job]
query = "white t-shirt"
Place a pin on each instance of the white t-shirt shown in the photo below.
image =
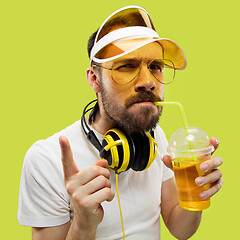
(44, 202)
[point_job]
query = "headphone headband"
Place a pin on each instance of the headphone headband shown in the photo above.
(90, 134)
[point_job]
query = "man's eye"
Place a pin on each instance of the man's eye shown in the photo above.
(126, 67)
(158, 67)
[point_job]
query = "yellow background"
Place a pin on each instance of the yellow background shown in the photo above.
(43, 87)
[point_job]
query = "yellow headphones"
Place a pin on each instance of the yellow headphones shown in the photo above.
(123, 151)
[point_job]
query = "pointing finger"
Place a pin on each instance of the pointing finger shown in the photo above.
(69, 165)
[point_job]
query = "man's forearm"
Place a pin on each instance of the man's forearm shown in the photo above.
(78, 232)
(182, 223)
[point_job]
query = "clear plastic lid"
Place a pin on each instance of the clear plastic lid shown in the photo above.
(191, 142)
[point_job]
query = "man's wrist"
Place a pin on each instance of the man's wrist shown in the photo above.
(80, 231)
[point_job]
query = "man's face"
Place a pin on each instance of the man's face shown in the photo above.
(130, 106)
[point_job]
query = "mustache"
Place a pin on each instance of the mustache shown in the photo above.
(142, 97)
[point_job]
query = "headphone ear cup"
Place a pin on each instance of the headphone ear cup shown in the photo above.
(153, 149)
(142, 148)
(106, 154)
(118, 150)
(132, 151)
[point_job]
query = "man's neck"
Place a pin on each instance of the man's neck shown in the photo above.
(101, 123)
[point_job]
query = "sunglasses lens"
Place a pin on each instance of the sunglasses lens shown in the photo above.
(125, 70)
(163, 70)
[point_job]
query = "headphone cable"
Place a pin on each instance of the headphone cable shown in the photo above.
(119, 204)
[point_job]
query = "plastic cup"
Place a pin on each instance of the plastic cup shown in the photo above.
(188, 150)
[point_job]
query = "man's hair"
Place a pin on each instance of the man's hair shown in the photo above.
(91, 42)
(89, 49)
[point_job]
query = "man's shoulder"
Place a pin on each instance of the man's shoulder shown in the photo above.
(71, 132)
(161, 139)
(159, 131)
(49, 147)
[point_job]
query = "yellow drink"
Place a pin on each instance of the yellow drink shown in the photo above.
(186, 170)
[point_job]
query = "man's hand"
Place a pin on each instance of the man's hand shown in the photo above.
(214, 177)
(87, 189)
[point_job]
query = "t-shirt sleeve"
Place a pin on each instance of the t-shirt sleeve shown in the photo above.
(43, 200)
(162, 148)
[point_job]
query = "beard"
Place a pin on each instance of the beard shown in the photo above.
(145, 120)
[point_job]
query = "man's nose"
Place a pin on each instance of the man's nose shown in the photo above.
(145, 80)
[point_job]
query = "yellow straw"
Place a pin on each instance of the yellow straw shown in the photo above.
(179, 105)
(184, 119)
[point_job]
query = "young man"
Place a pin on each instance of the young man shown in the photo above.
(74, 198)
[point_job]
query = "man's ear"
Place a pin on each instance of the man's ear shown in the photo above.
(93, 80)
